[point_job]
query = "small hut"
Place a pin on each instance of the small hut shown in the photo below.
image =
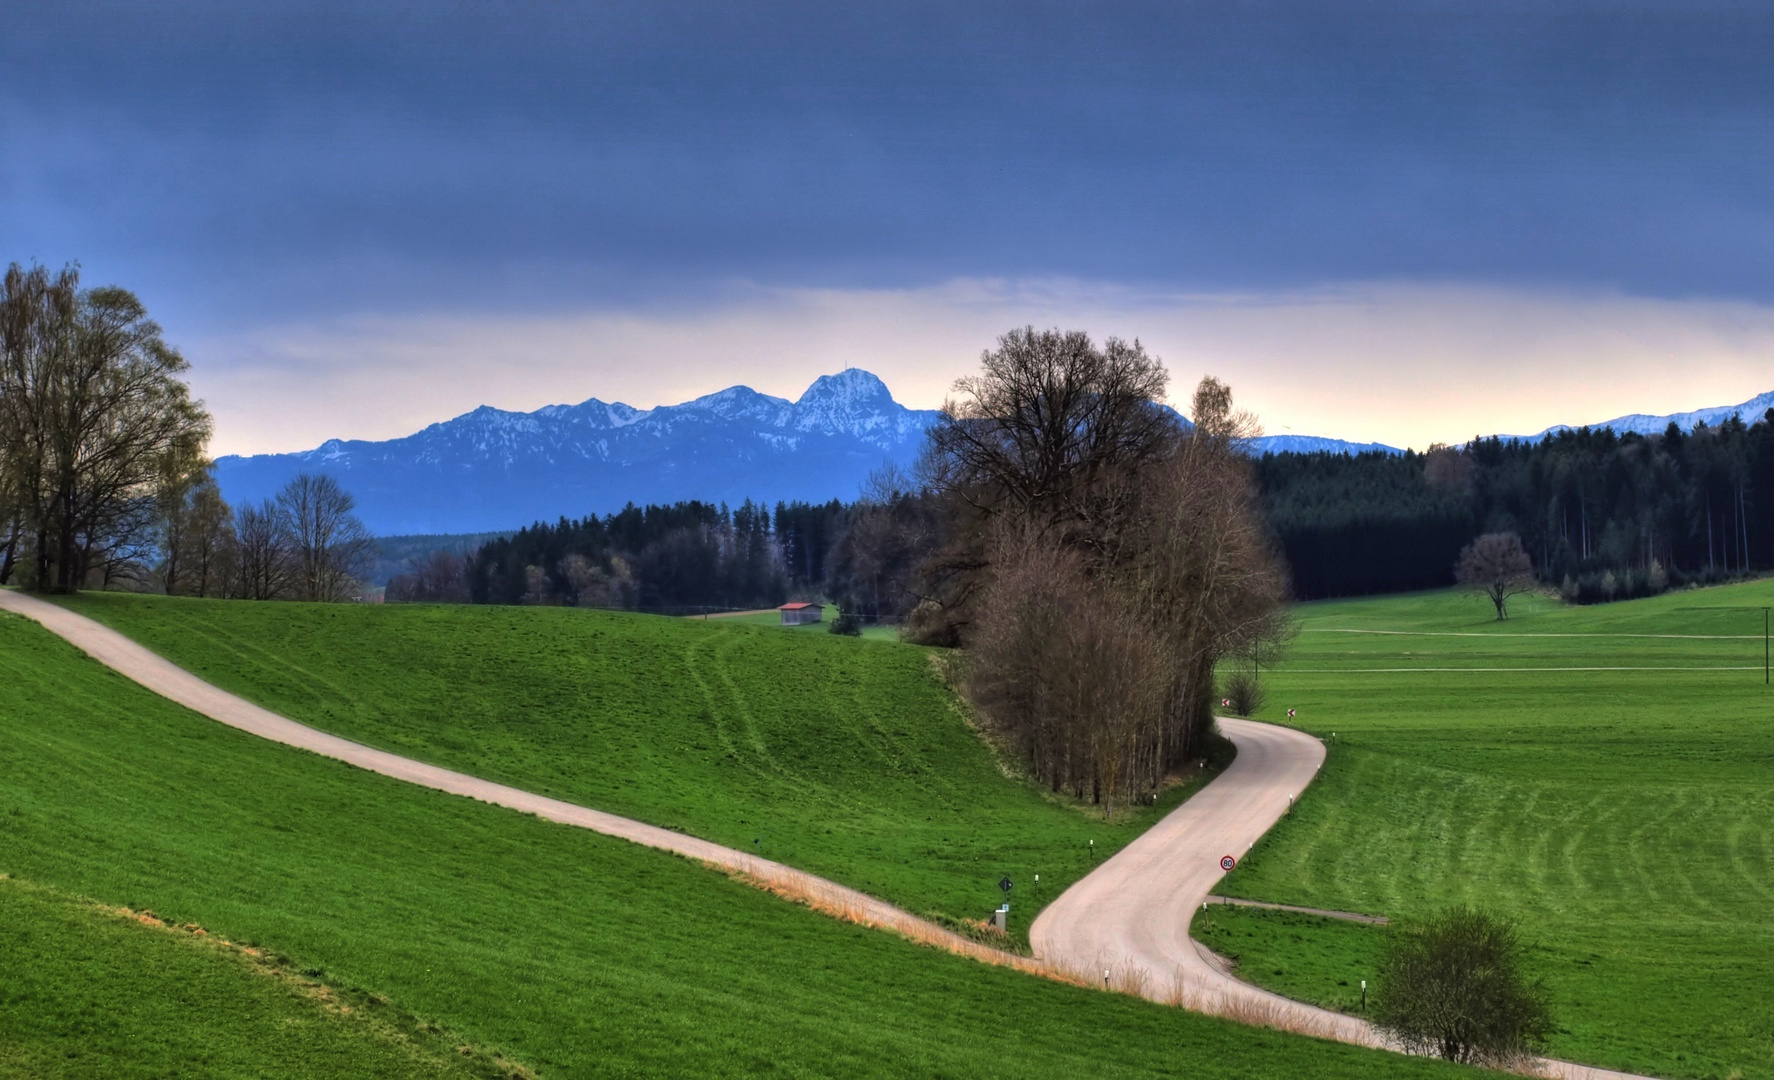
(796, 614)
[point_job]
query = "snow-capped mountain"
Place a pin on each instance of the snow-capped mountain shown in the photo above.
(491, 469)
(1640, 423)
(1315, 444)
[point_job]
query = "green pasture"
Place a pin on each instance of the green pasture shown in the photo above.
(569, 953)
(1603, 774)
(774, 618)
(830, 612)
(88, 992)
(847, 758)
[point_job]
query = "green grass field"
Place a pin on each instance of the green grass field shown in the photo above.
(830, 612)
(87, 991)
(844, 757)
(572, 954)
(1611, 787)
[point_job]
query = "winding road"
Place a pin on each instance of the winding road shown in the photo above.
(1125, 924)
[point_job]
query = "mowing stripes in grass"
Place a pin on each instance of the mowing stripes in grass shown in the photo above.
(1604, 774)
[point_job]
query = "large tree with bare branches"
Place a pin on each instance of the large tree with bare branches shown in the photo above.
(1496, 567)
(1104, 559)
(1050, 435)
(329, 547)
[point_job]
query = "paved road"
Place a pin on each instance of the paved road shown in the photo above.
(1130, 917)
(1128, 920)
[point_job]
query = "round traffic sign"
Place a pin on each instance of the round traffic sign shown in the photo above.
(1228, 862)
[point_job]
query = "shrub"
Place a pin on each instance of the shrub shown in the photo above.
(1245, 691)
(1453, 986)
(847, 624)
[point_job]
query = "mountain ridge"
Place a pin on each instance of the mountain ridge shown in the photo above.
(489, 469)
(492, 469)
(1645, 424)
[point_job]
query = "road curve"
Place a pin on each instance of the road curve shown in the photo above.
(167, 679)
(1127, 922)
(1128, 918)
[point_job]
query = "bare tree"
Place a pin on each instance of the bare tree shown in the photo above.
(264, 565)
(880, 544)
(329, 545)
(1199, 567)
(1097, 660)
(440, 577)
(1052, 432)
(1496, 566)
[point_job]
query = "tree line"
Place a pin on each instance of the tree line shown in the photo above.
(104, 480)
(678, 556)
(692, 555)
(1602, 516)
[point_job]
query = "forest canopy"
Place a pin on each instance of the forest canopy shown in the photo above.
(1603, 516)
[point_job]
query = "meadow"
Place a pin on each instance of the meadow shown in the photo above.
(558, 950)
(91, 991)
(829, 612)
(847, 757)
(1605, 775)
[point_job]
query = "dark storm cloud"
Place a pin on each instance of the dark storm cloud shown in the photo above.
(248, 161)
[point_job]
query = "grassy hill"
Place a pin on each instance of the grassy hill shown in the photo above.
(842, 756)
(1605, 774)
(570, 953)
(89, 991)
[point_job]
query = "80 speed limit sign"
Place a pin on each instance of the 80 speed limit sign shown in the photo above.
(1228, 862)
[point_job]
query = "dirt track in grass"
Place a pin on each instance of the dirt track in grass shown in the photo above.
(1128, 920)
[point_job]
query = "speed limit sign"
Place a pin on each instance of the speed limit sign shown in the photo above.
(1228, 862)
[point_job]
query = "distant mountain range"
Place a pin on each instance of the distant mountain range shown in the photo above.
(1315, 444)
(1751, 411)
(490, 470)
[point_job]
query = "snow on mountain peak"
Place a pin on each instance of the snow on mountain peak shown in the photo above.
(847, 390)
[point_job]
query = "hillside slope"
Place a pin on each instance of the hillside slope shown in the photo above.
(573, 954)
(847, 758)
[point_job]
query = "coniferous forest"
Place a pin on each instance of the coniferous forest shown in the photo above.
(658, 558)
(1603, 517)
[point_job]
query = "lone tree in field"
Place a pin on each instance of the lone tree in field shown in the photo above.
(1454, 987)
(1496, 566)
(328, 545)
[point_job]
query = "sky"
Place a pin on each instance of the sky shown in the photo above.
(1398, 222)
